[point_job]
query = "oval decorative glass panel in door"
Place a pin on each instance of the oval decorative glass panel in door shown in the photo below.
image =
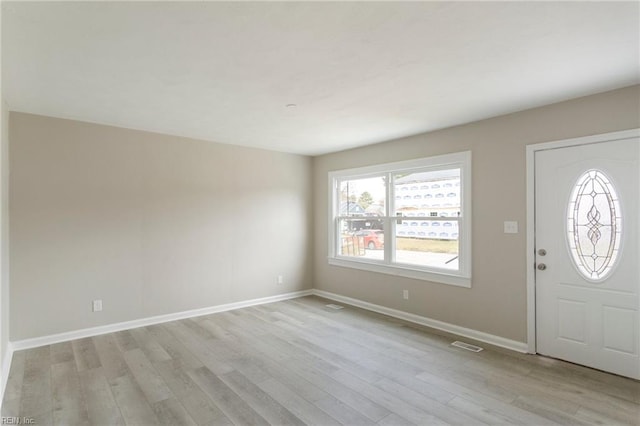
(594, 225)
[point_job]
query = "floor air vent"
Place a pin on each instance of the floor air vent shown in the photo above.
(335, 307)
(472, 348)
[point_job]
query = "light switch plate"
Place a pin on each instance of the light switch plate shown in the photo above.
(510, 227)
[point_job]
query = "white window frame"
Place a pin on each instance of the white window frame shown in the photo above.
(461, 277)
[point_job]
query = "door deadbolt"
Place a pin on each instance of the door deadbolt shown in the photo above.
(542, 266)
(542, 252)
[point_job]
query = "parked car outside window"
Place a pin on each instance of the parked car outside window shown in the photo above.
(373, 238)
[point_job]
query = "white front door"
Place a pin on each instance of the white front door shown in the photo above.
(587, 278)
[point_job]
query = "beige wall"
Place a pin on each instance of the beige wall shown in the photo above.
(150, 224)
(496, 303)
(4, 236)
(154, 224)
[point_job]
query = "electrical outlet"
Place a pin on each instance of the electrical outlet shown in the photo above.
(280, 279)
(510, 227)
(97, 305)
(405, 294)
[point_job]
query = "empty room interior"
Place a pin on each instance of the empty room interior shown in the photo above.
(356, 213)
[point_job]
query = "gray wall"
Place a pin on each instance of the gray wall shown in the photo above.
(496, 303)
(151, 224)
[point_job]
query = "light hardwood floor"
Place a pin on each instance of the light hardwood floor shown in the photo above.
(298, 362)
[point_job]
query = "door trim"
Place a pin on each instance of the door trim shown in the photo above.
(530, 194)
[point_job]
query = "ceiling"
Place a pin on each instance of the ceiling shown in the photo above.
(359, 73)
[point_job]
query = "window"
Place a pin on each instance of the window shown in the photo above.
(366, 199)
(594, 225)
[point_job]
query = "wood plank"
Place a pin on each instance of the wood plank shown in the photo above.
(486, 400)
(585, 378)
(36, 398)
(111, 358)
(267, 362)
(423, 338)
(221, 321)
(146, 376)
(481, 413)
(199, 348)
(172, 413)
(338, 360)
(513, 385)
(200, 332)
(380, 358)
(216, 330)
(199, 406)
(540, 407)
(587, 415)
(252, 367)
(475, 381)
(242, 324)
(69, 406)
(174, 347)
(363, 405)
(151, 348)
(444, 413)
(249, 328)
(85, 354)
(11, 408)
(234, 407)
(389, 401)
(101, 405)
(13, 389)
(259, 400)
(133, 405)
(616, 408)
(435, 393)
(125, 340)
(300, 407)
(61, 352)
(342, 412)
(395, 420)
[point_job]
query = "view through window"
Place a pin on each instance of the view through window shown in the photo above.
(405, 215)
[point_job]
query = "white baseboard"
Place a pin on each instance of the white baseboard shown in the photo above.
(126, 325)
(6, 366)
(417, 319)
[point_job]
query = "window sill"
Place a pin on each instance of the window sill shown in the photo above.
(403, 271)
